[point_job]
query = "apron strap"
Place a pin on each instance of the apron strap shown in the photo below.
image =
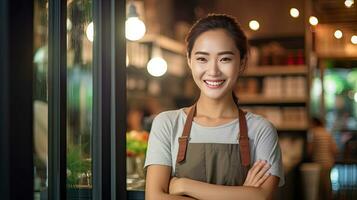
(243, 139)
(183, 140)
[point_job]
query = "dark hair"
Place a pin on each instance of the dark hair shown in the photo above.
(220, 21)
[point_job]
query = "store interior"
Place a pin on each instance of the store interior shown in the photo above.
(302, 65)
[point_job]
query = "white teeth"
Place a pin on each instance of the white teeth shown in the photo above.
(214, 83)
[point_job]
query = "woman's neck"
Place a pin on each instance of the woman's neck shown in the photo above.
(212, 108)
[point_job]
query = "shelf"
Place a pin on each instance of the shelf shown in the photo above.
(166, 43)
(271, 70)
(261, 99)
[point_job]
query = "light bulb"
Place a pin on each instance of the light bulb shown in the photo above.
(338, 34)
(313, 20)
(90, 32)
(354, 39)
(134, 29)
(157, 66)
(349, 3)
(254, 25)
(294, 12)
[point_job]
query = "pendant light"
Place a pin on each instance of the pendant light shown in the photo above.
(157, 66)
(134, 27)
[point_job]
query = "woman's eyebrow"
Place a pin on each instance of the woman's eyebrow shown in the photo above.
(226, 52)
(220, 53)
(201, 52)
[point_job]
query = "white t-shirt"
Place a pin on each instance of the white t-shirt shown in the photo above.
(167, 127)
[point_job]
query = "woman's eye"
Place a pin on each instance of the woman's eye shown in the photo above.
(226, 59)
(201, 59)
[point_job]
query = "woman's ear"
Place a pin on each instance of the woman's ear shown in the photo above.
(188, 60)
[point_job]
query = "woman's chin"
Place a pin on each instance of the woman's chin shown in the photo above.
(213, 95)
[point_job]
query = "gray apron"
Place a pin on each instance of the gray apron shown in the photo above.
(222, 164)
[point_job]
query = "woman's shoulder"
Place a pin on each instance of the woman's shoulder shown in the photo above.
(259, 124)
(168, 116)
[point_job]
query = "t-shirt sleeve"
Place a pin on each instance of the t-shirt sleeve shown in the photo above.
(159, 145)
(267, 148)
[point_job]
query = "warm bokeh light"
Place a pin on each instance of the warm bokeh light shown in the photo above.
(313, 20)
(134, 29)
(294, 12)
(354, 39)
(90, 32)
(69, 24)
(254, 25)
(338, 34)
(157, 66)
(349, 3)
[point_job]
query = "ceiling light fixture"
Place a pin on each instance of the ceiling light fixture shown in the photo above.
(254, 25)
(354, 39)
(338, 34)
(349, 3)
(157, 66)
(134, 28)
(313, 20)
(294, 12)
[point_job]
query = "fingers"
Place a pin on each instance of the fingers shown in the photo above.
(262, 180)
(258, 167)
(252, 171)
(261, 172)
(257, 174)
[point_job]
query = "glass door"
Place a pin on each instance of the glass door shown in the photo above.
(79, 99)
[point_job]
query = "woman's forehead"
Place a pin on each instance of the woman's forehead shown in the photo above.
(214, 41)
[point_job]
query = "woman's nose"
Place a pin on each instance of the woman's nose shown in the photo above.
(213, 69)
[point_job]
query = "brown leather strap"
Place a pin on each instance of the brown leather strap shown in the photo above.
(183, 140)
(243, 139)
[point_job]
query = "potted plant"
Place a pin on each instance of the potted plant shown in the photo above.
(78, 174)
(136, 142)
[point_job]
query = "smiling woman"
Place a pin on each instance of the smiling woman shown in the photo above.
(213, 149)
(214, 63)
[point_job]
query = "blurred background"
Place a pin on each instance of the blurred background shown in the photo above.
(302, 69)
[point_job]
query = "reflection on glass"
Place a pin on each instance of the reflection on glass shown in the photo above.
(340, 86)
(40, 106)
(79, 99)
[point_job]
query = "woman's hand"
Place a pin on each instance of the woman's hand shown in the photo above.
(175, 187)
(257, 175)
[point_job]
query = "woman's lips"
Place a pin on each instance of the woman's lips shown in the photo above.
(214, 83)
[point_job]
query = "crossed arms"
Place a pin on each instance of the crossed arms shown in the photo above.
(160, 185)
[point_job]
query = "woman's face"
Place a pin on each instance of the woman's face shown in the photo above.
(215, 63)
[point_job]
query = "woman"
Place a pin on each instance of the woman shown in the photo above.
(206, 151)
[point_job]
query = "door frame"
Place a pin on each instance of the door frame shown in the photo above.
(16, 102)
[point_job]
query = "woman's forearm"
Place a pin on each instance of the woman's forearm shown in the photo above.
(176, 197)
(206, 191)
(165, 196)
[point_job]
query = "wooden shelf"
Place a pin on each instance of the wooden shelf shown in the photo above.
(268, 70)
(166, 43)
(261, 99)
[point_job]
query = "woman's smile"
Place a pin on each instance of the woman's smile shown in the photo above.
(214, 84)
